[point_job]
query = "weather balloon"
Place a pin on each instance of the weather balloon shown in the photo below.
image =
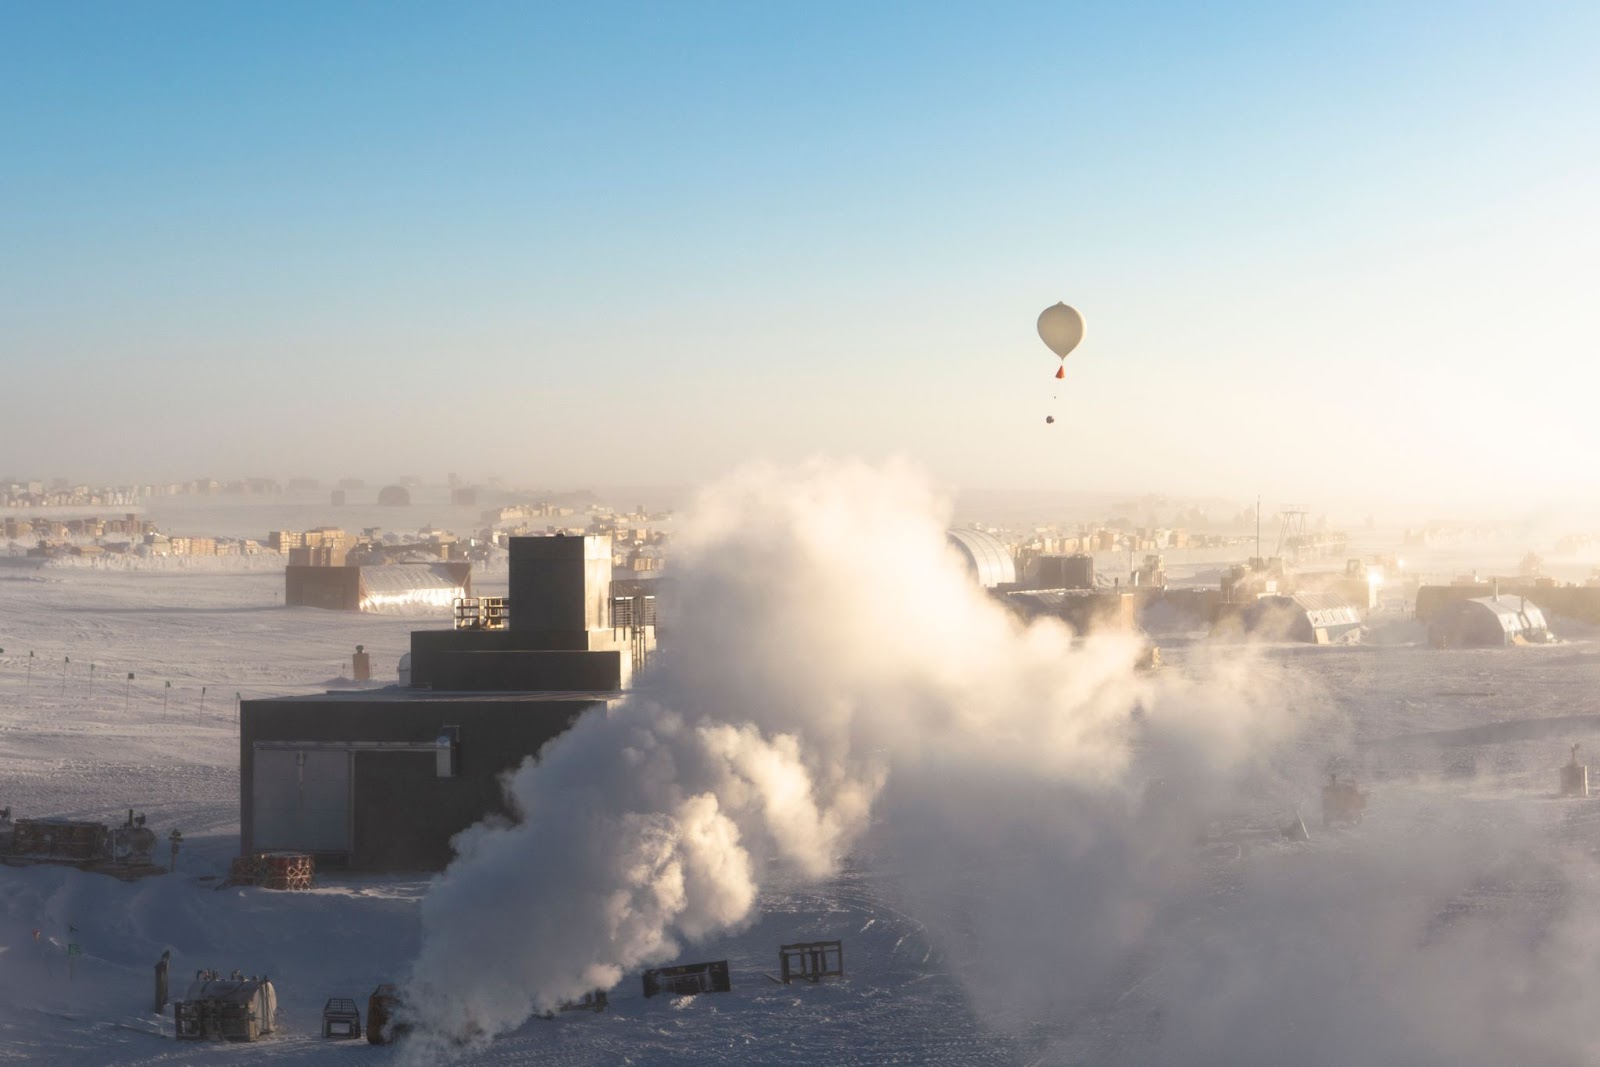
(1060, 328)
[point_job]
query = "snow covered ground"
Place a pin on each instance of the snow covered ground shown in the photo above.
(1453, 925)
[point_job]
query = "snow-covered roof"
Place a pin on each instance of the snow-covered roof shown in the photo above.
(1514, 613)
(1327, 609)
(409, 585)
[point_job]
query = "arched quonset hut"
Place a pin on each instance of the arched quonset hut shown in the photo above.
(1488, 622)
(1315, 618)
(989, 560)
(394, 496)
(408, 587)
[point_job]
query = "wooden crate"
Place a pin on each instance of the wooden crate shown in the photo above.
(274, 870)
(289, 870)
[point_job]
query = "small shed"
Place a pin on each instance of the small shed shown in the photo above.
(1488, 622)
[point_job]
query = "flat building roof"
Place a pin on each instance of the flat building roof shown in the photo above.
(397, 694)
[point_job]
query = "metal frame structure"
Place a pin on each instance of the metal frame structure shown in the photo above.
(811, 960)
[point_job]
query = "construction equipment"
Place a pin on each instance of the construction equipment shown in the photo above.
(125, 851)
(235, 1008)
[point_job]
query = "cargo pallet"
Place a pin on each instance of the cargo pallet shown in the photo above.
(274, 870)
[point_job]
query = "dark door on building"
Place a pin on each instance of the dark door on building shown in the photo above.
(301, 800)
(402, 823)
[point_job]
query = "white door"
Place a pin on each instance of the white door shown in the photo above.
(302, 800)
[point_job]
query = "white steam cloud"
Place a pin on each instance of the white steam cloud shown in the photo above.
(834, 683)
(826, 648)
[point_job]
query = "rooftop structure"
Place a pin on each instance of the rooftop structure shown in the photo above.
(382, 779)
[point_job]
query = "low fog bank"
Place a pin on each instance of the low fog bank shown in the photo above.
(1089, 846)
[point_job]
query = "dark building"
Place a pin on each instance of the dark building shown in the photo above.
(1312, 617)
(1062, 572)
(1488, 622)
(1084, 610)
(382, 779)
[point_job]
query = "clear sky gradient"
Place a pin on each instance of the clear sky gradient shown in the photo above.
(1325, 252)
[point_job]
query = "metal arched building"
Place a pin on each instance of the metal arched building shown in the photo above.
(988, 559)
(1315, 618)
(1488, 622)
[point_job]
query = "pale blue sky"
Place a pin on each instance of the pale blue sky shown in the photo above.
(640, 242)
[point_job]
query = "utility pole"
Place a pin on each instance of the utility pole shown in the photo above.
(127, 692)
(1258, 526)
(165, 693)
(64, 661)
(91, 678)
(28, 684)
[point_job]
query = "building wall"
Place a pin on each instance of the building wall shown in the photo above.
(1485, 623)
(322, 587)
(402, 813)
(559, 583)
(534, 670)
(428, 646)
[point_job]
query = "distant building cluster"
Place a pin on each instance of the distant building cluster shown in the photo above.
(15, 495)
(128, 526)
(525, 512)
(1436, 535)
(159, 544)
(637, 537)
(637, 545)
(1586, 543)
(1051, 541)
(330, 546)
(123, 536)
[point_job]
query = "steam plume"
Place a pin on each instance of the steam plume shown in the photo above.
(834, 681)
(826, 647)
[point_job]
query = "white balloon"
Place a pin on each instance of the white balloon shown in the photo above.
(1060, 328)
